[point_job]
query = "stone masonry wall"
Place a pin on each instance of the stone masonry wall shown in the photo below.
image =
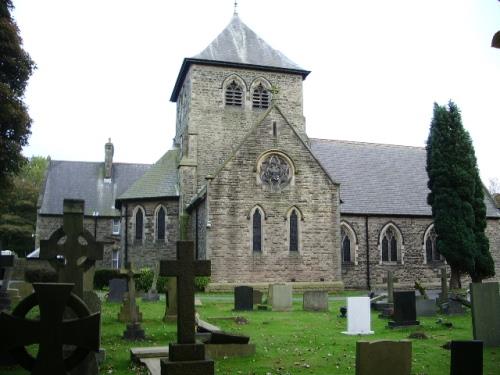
(236, 190)
(145, 252)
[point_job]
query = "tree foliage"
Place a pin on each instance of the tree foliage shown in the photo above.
(456, 196)
(18, 207)
(16, 67)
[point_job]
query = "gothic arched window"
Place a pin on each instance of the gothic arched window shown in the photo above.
(160, 224)
(261, 97)
(345, 245)
(391, 245)
(139, 224)
(257, 230)
(294, 231)
(234, 94)
(431, 252)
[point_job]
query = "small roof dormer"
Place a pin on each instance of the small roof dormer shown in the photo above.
(240, 47)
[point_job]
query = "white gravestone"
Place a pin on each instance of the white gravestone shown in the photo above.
(358, 316)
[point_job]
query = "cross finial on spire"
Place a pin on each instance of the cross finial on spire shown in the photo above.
(235, 8)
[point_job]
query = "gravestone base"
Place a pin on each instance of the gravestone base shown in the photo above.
(405, 324)
(200, 367)
(134, 332)
(186, 352)
(124, 314)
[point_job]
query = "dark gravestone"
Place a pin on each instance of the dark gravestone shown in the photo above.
(51, 332)
(405, 313)
(228, 338)
(485, 300)
(186, 356)
(466, 358)
(117, 288)
(75, 244)
(383, 357)
(134, 330)
(243, 298)
(257, 297)
(6, 265)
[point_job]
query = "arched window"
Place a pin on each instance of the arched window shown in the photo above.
(257, 231)
(160, 224)
(234, 94)
(431, 252)
(294, 231)
(139, 224)
(261, 97)
(348, 244)
(391, 244)
(345, 246)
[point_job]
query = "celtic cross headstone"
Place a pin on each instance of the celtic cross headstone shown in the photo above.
(186, 356)
(74, 245)
(50, 331)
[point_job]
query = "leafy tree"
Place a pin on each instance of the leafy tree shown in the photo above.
(457, 197)
(18, 207)
(16, 67)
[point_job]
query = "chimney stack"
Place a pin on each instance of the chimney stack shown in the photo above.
(108, 159)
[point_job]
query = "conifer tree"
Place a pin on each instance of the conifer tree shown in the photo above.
(16, 67)
(457, 197)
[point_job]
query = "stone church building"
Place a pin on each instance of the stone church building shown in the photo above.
(259, 198)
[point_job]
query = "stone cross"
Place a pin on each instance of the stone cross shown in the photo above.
(134, 330)
(78, 257)
(51, 332)
(185, 269)
(390, 287)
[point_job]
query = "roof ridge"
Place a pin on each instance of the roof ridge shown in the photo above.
(98, 162)
(366, 143)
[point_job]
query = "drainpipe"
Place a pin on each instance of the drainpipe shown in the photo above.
(368, 284)
(126, 233)
(95, 214)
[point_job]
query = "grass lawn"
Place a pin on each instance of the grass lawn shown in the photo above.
(294, 342)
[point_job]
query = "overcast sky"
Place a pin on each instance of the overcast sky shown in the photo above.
(106, 68)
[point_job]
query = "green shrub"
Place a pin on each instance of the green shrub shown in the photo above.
(40, 275)
(144, 280)
(102, 277)
(201, 282)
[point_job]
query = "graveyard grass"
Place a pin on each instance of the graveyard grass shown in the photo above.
(296, 342)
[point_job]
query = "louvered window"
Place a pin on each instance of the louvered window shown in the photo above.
(261, 97)
(234, 94)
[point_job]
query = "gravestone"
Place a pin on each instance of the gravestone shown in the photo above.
(316, 300)
(358, 316)
(257, 297)
(6, 267)
(466, 358)
(405, 313)
(485, 300)
(75, 244)
(170, 300)
(152, 294)
(383, 357)
(443, 296)
(243, 298)
(390, 287)
(281, 296)
(452, 307)
(117, 290)
(186, 356)
(134, 330)
(51, 331)
(426, 307)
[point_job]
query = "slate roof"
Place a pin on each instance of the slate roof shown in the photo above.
(158, 182)
(379, 178)
(239, 46)
(85, 180)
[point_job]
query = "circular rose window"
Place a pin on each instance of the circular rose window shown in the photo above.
(275, 172)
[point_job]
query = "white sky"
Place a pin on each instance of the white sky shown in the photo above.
(106, 68)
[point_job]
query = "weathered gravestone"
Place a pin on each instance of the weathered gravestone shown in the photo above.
(74, 244)
(426, 307)
(405, 313)
(443, 296)
(485, 300)
(281, 296)
(383, 357)
(51, 331)
(358, 316)
(243, 298)
(130, 310)
(315, 300)
(152, 294)
(257, 297)
(186, 356)
(466, 358)
(6, 265)
(117, 290)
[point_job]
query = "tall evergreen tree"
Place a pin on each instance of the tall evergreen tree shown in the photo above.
(457, 197)
(16, 67)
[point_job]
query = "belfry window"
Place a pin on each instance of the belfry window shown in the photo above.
(261, 97)
(234, 94)
(257, 231)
